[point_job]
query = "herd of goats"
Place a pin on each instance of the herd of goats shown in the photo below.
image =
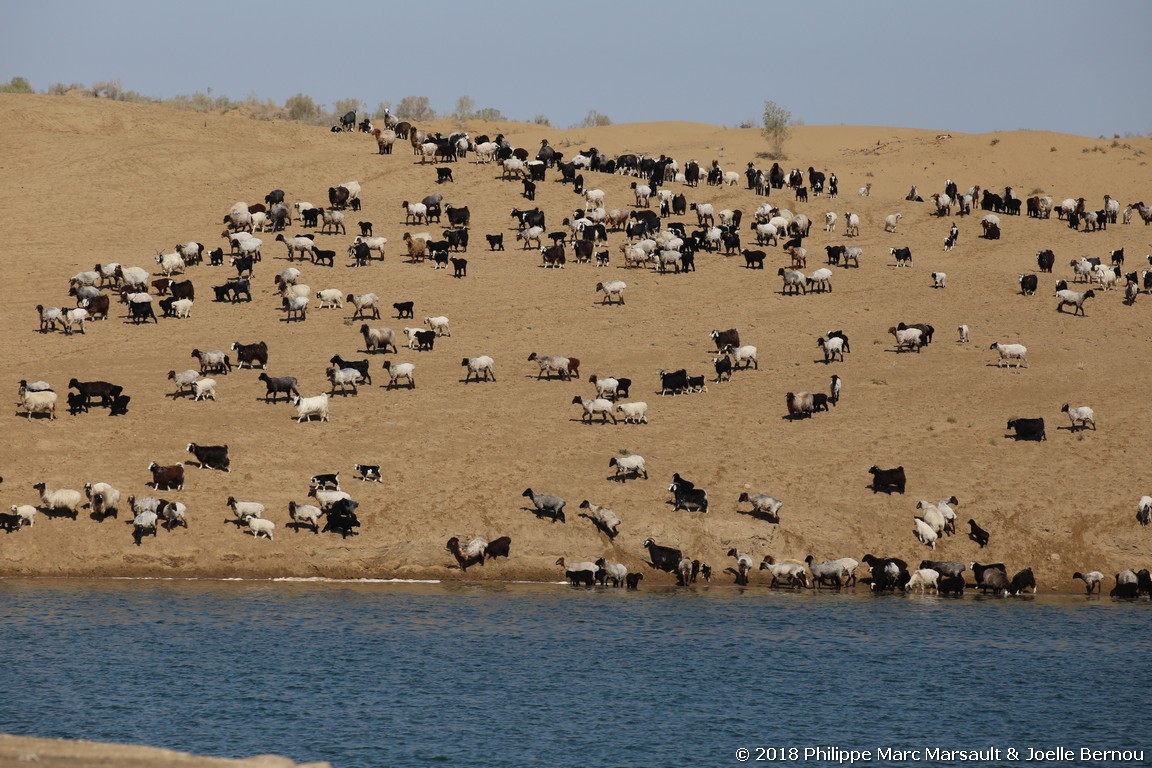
(652, 241)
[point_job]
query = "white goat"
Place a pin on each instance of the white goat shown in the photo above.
(307, 407)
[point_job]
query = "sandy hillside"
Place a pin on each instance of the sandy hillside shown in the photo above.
(88, 181)
(57, 753)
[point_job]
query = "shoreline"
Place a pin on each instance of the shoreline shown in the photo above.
(660, 588)
(81, 753)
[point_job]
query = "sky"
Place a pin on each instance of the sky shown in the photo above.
(976, 66)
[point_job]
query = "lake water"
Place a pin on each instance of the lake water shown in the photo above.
(383, 674)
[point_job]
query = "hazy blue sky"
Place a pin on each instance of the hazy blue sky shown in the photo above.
(970, 66)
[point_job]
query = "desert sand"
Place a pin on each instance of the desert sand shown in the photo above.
(89, 181)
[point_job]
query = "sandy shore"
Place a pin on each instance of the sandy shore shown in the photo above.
(91, 181)
(60, 753)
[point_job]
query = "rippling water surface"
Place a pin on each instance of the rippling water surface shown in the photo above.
(533, 675)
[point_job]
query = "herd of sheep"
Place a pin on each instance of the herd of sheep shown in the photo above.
(650, 241)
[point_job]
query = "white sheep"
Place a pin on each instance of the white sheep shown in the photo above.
(830, 221)
(594, 198)
(105, 499)
(851, 225)
(54, 499)
(296, 306)
(144, 523)
(704, 212)
(438, 324)
(832, 347)
(343, 377)
(964, 337)
(74, 317)
(745, 356)
(924, 578)
(260, 527)
(766, 232)
(1074, 299)
(794, 281)
(513, 167)
(643, 194)
(326, 498)
(790, 571)
(625, 465)
(289, 290)
(1144, 510)
(333, 220)
(1011, 353)
(891, 220)
(821, 279)
(251, 247)
(1105, 276)
(298, 244)
(578, 566)
(353, 188)
(364, 302)
(244, 510)
(939, 279)
(1082, 415)
(204, 389)
(39, 402)
(182, 308)
(330, 298)
(612, 288)
(481, 364)
(932, 516)
(134, 277)
(305, 514)
(146, 504)
(531, 236)
(606, 386)
(617, 572)
(1093, 580)
(595, 406)
(604, 519)
(381, 338)
(411, 334)
(400, 371)
(634, 413)
(1081, 269)
(907, 338)
(89, 279)
(374, 244)
(925, 533)
(170, 263)
(945, 507)
(25, 514)
(307, 407)
(866, 190)
(762, 504)
(49, 316)
(173, 513)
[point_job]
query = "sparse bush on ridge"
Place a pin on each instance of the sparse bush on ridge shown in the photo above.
(16, 85)
(776, 120)
(594, 119)
(415, 109)
(301, 107)
(342, 106)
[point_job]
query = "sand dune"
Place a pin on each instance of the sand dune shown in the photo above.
(90, 181)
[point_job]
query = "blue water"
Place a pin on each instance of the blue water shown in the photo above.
(542, 675)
